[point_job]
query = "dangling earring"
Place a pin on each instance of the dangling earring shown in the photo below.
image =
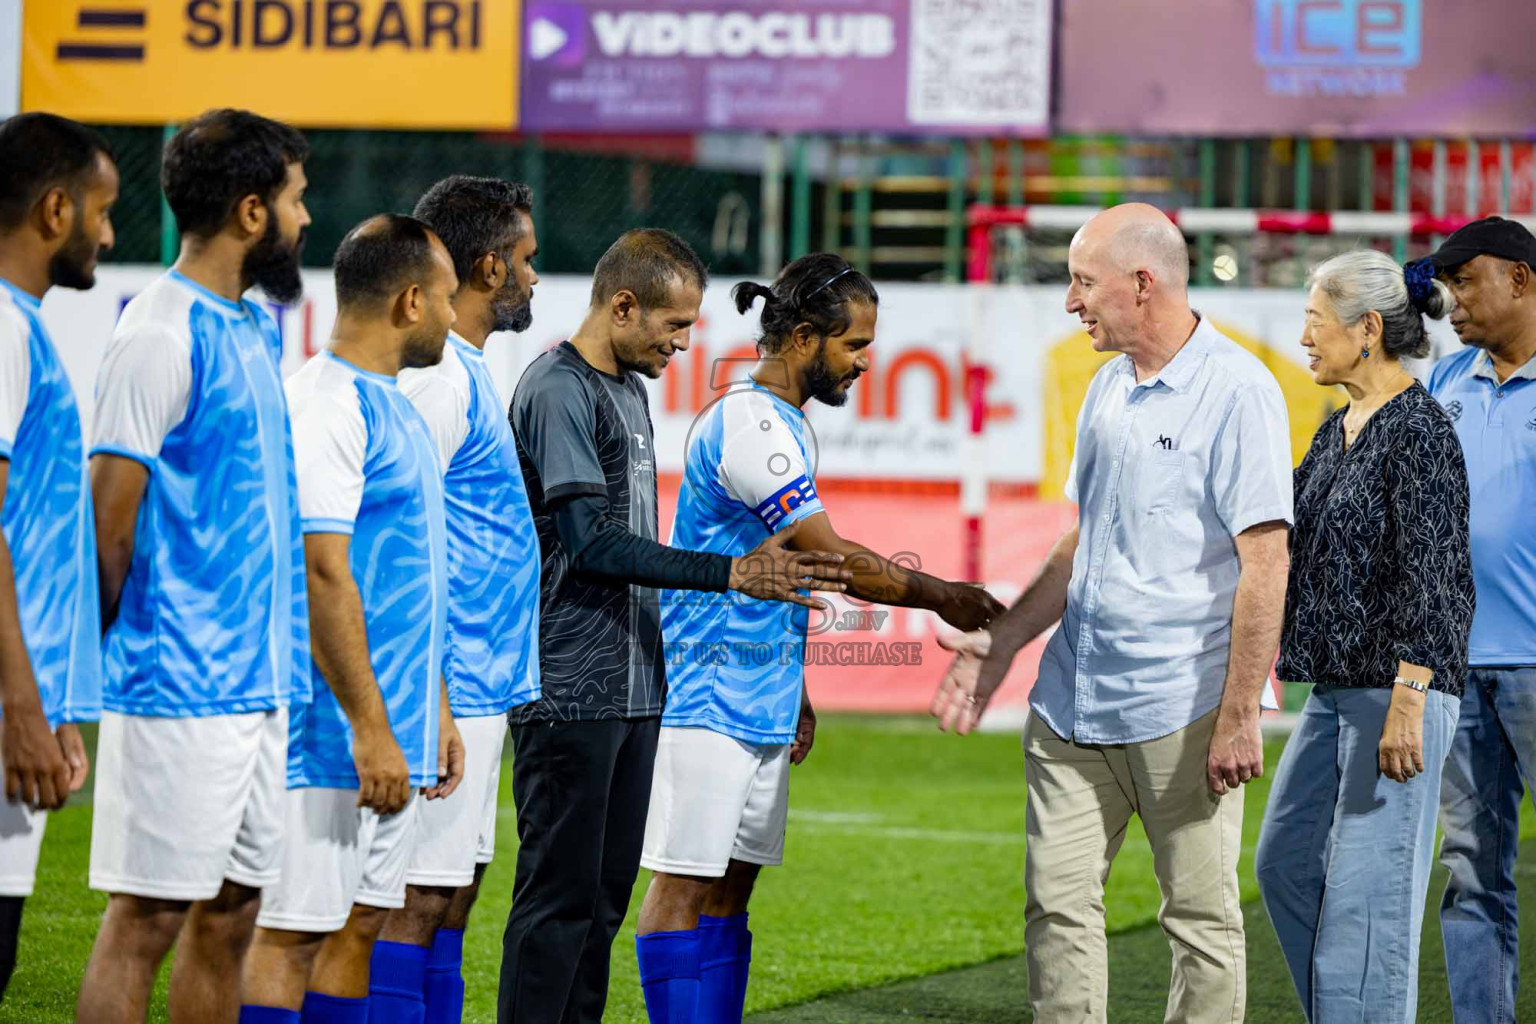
(1365, 352)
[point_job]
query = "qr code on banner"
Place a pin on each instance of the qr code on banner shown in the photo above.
(980, 62)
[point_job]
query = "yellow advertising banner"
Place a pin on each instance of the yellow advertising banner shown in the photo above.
(317, 63)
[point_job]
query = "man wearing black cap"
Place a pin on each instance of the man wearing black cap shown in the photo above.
(1489, 389)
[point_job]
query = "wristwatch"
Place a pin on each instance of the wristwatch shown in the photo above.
(1412, 684)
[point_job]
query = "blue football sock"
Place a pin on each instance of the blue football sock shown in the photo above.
(324, 1009)
(669, 975)
(267, 1015)
(397, 977)
(445, 977)
(738, 927)
(717, 970)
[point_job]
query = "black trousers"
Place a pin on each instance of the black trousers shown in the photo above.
(582, 791)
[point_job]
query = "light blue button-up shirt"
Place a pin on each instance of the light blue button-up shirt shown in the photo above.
(1496, 422)
(1166, 472)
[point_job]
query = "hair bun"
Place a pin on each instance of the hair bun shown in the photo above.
(1439, 303)
(746, 293)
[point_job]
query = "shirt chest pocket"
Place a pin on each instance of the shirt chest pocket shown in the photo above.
(1160, 483)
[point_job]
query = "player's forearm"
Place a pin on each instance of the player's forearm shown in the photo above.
(1041, 604)
(1258, 611)
(112, 561)
(603, 549)
(623, 557)
(18, 686)
(875, 578)
(339, 642)
(883, 581)
(117, 487)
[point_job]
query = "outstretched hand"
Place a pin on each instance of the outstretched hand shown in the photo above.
(968, 686)
(969, 608)
(774, 572)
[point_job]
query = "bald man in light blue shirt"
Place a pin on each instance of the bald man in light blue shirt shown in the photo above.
(1170, 591)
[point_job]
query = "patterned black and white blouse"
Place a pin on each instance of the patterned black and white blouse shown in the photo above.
(1381, 569)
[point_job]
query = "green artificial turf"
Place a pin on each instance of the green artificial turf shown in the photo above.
(997, 992)
(904, 861)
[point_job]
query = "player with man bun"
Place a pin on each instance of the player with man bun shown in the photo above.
(732, 727)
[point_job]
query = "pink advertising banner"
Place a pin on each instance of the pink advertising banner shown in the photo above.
(1360, 68)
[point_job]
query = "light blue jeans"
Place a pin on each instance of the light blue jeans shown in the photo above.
(1492, 760)
(1344, 857)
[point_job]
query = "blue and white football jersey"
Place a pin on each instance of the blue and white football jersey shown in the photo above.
(735, 664)
(213, 617)
(492, 658)
(368, 467)
(47, 516)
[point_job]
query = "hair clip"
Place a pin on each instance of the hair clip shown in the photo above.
(1419, 276)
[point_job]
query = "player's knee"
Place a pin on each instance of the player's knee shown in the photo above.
(457, 917)
(424, 912)
(297, 948)
(224, 936)
(740, 878)
(679, 893)
(428, 903)
(365, 923)
(141, 927)
(230, 918)
(731, 894)
(234, 898)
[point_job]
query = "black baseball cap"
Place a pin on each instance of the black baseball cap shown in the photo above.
(1491, 236)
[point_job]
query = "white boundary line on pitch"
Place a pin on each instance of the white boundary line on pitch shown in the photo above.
(924, 834)
(858, 824)
(863, 825)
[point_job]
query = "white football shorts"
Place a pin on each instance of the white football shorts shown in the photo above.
(715, 799)
(455, 834)
(337, 854)
(181, 804)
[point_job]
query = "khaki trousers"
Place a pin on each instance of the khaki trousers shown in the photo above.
(1081, 799)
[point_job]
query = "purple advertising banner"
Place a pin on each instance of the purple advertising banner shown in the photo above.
(904, 66)
(1363, 68)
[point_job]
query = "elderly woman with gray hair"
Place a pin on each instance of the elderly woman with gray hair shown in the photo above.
(1377, 613)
